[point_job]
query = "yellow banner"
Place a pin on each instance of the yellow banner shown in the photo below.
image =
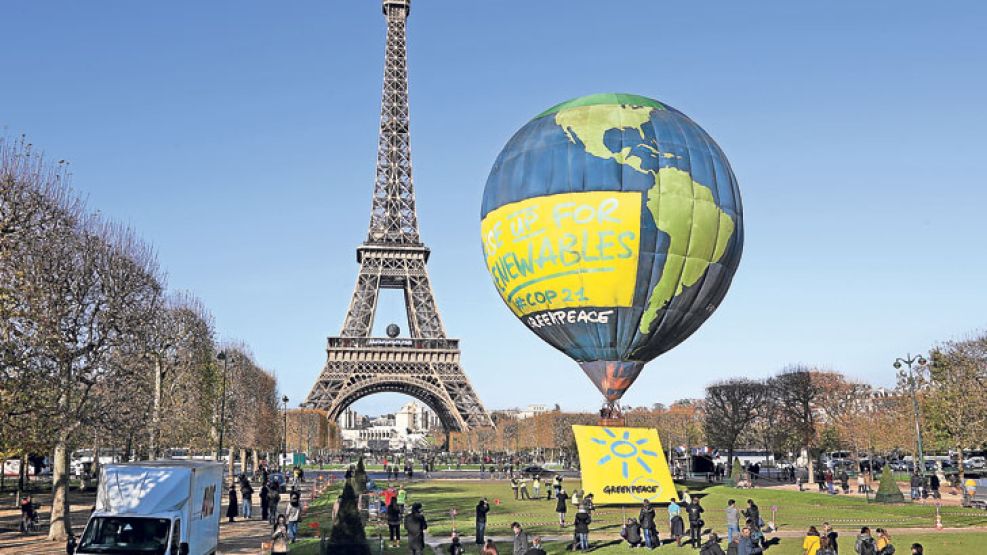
(564, 251)
(623, 465)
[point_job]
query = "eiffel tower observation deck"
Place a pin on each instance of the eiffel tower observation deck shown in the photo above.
(425, 365)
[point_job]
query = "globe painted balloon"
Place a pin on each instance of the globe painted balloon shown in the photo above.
(612, 227)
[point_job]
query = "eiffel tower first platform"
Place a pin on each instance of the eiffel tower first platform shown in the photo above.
(425, 365)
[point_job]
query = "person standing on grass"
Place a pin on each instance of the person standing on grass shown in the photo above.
(810, 544)
(557, 484)
(695, 511)
(414, 527)
(402, 498)
(832, 536)
(581, 527)
(520, 539)
(515, 487)
(865, 544)
(524, 488)
(536, 487)
(482, 508)
(394, 522)
(733, 520)
(646, 518)
(560, 505)
(883, 544)
(861, 483)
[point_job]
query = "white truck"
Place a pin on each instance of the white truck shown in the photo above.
(159, 508)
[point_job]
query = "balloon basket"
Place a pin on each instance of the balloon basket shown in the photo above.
(618, 422)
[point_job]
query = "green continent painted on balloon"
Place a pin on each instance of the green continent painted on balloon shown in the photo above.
(698, 230)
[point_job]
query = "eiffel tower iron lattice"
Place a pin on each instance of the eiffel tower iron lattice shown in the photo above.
(425, 365)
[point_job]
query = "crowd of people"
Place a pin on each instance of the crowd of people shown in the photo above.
(284, 523)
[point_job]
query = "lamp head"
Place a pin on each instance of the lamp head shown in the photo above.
(284, 399)
(897, 365)
(221, 355)
(922, 361)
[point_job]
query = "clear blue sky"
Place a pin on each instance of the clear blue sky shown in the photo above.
(239, 137)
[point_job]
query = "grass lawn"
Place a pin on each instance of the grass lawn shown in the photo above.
(796, 512)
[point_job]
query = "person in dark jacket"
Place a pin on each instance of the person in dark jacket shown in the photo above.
(264, 502)
(649, 529)
(753, 514)
(482, 508)
(581, 526)
(233, 510)
(246, 496)
(560, 505)
(712, 546)
(415, 526)
(536, 548)
(394, 522)
(832, 536)
(695, 511)
(273, 500)
(456, 547)
(631, 532)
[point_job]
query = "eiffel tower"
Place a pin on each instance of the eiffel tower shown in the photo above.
(426, 365)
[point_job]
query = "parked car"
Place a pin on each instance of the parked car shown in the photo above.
(537, 471)
(975, 463)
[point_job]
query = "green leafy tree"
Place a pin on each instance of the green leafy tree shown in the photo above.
(888, 491)
(348, 536)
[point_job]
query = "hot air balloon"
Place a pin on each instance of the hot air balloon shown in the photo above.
(612, 227)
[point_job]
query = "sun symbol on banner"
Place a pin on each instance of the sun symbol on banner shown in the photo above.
(623, 449)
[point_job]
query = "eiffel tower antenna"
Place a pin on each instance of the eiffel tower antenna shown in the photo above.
(425, 365)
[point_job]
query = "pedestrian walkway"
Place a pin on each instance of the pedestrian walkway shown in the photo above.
(238, 538)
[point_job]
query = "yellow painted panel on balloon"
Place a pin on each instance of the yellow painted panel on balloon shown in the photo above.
(564, 251)
(623, 465)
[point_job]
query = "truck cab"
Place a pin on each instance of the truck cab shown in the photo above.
(153, 535)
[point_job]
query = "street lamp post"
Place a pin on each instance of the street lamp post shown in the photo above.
(921, 361)
(284, 438)
(222, 406)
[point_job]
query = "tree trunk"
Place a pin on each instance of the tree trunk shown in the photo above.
(959, 464)
(155, 411)
(812, 474)
(243, 460)
(254, 462)
(232, 453)
(61, 527)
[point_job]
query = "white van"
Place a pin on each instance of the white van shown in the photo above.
(159, 508)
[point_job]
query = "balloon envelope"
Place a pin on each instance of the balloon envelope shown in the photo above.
(612, 227)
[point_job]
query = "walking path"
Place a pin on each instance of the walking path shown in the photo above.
(239, 538)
